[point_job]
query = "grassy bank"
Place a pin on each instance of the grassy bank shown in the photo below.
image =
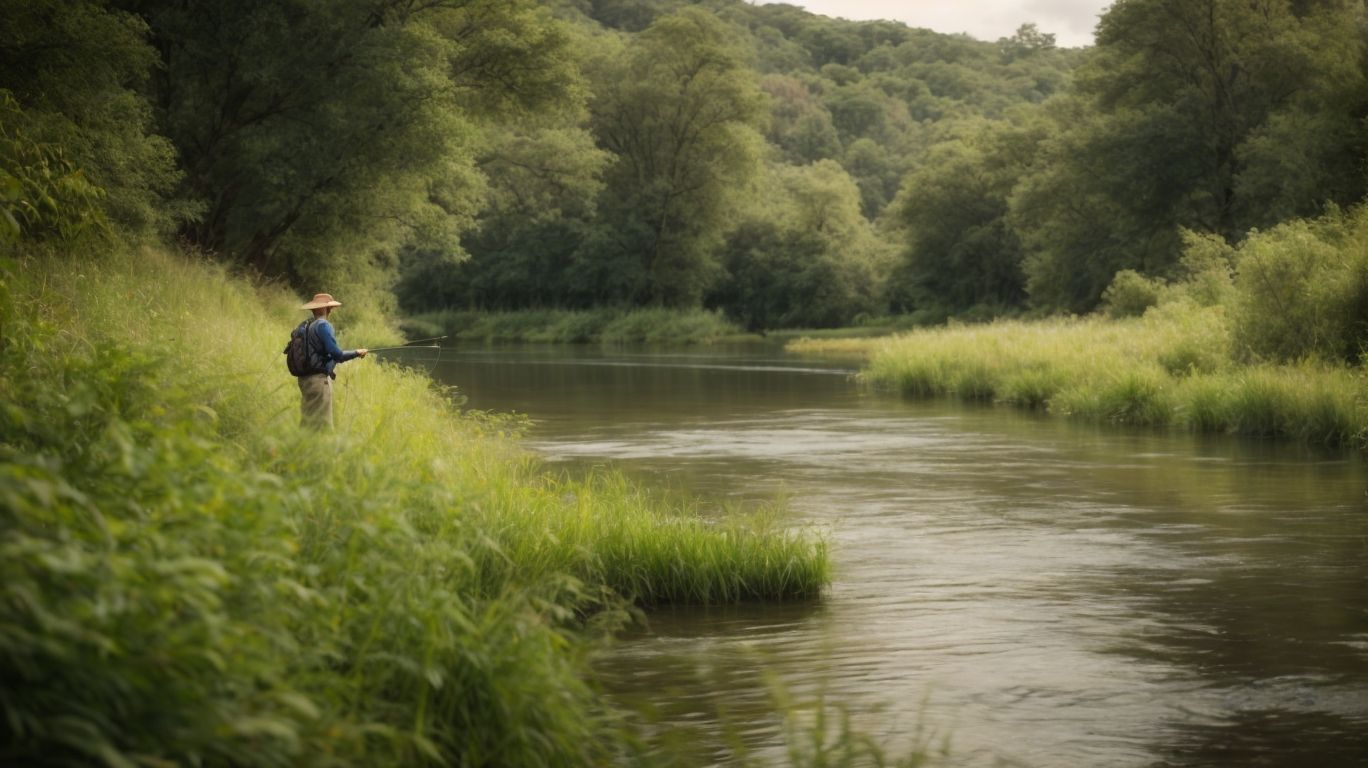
(188, 578)
(1265, 338)
(1173, 367)
(611, 326)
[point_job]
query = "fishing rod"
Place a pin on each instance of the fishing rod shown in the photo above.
(391, 349)
(408, 345)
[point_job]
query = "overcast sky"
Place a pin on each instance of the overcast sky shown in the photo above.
(1070, 21)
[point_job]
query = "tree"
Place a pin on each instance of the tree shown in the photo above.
(543, 185)
(803, 256)
(1191, 113)
(800, 124)
(320, 139)
(962, 250)
(1081, 217)
(1027, 41)
(75, 71)
(877, 173)
(680, 113)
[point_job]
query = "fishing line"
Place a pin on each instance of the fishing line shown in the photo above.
(391, 349)
(427, 364)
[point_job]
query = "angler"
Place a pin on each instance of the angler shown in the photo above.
(311, 355)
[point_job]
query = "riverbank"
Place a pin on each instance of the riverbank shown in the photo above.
(1264, 339)
(563, 326)
(188, 575)
(614, 326)
(1171, 368)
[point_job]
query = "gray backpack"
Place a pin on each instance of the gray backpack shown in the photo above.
(299, 355)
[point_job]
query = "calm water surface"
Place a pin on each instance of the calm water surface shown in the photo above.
(1028, 591)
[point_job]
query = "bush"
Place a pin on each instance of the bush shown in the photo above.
(146, 580)
(1302, 290)
(1130, 294)
(42, 193)
(1207, 266)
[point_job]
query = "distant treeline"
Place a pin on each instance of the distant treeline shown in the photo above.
(785, 168)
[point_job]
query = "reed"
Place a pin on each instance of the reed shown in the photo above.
(1174, 367)
(187, 577)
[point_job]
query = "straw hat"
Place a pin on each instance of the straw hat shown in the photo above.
(322, 300)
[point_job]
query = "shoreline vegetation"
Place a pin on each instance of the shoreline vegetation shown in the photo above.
(1264, 339)
(1130, 372)
(566, 326)
(190, 576)
(615, 326)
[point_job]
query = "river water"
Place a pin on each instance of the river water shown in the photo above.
(1017, 589)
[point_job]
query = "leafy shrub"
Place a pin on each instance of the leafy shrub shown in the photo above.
(1186, 358)
(145, 578)
(42, 193)
(1207, 267)
(1130, 294)
(1302, 290)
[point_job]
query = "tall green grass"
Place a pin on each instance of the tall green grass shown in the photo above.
(187, 577)
(1173, 367)
(684, 326)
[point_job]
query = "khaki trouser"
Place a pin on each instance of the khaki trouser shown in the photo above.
(315, 401)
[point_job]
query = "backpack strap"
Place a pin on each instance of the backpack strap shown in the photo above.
(311, 350)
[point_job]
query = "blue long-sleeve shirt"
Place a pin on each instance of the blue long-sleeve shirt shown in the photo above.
(328, 348)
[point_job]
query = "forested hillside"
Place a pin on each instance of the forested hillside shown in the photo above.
(743, 157)
(883, 169)
(786, 168)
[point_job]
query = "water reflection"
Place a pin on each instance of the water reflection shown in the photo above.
(1058, 595)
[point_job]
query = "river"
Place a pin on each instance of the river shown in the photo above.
(1018, 589)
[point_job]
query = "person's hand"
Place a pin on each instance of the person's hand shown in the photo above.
(362, 352)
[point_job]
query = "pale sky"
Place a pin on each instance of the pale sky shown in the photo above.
(1070, 21)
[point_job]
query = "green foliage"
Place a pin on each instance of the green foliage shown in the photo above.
(1302, 290)
(961, 250)
(579, 326)
(1027, 41)
(1174, 367)
(1130, 294)
(128, 627)
(1079, 217)
(680, 113)
(800, 125)
(42, 193)
(543, 190)
(683, 215)
(77, 132)
(803, 256)
(1206, 269)
(189, 578)
(1216, 116)
(322, 139)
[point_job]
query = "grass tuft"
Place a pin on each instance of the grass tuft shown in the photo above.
(1173, 367)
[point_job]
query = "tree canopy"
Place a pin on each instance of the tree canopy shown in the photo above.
(787, 168)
